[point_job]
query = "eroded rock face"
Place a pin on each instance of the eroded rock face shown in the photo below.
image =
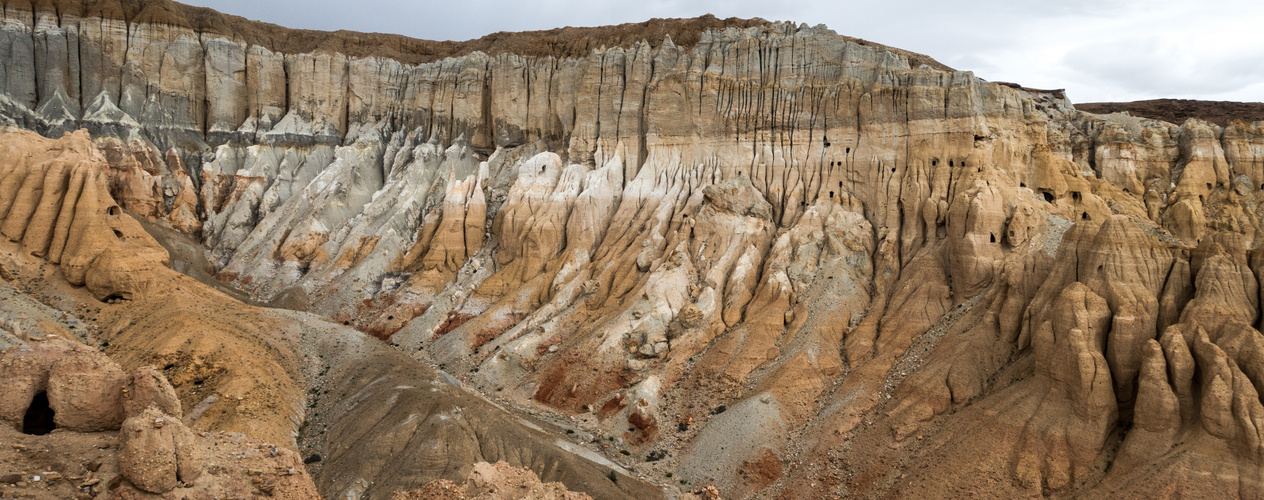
(149, 387)
(85, 389)
(54, 201)
(493, 481)
(891, 261)
(82, 387)
(158, 452)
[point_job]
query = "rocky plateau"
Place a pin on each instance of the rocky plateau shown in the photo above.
(675, 259)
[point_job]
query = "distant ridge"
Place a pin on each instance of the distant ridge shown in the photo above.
(558, 42)
(1178, 110)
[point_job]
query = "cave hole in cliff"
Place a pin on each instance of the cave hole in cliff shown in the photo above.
(38, 420)
(114, 297)
(114, 210)
(1022, 184)
(848, 150)
(1075, 195)
(1048, 196)
(950, 163)
(831, 195)
(118, 234)
(934, 163)
(1208, 186)
(1084, 216)
(993, 235)
(827, 144)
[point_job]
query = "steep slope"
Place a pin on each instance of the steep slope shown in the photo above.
(768, 257)
(264, 373)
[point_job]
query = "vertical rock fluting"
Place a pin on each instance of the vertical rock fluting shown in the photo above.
(845, 239)
(55, 202)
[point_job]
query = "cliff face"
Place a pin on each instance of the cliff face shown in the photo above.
(793, 259)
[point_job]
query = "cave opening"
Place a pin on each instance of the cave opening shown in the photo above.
(38, 420)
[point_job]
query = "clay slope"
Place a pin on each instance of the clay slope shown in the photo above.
(775, 261)
(279, 377)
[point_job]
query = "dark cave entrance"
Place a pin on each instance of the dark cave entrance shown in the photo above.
(39, 416)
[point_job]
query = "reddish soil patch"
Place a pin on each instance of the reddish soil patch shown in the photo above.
(392, 318)
(762, 471)
(646, 426)
(580, 383)
(488, 334)
(543, 348)
(549, 383)
(453, 321)
(611, 407)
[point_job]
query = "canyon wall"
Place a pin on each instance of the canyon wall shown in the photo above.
(785, 259)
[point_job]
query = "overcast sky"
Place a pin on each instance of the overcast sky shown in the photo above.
(1099, 50)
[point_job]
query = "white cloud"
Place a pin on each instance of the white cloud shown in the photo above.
(1097, 49)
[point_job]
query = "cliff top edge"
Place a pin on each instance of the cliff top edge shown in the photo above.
(567, 42)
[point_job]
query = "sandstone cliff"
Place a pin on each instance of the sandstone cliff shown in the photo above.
(777, 258)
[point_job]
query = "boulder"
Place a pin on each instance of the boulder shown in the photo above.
(158, 452)
(149, 387)
(84, 389)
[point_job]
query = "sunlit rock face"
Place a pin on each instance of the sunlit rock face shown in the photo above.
(880, 267)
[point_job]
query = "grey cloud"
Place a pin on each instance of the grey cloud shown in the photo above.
(1154, 67)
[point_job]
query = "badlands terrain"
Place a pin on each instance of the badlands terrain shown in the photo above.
(682, 258)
